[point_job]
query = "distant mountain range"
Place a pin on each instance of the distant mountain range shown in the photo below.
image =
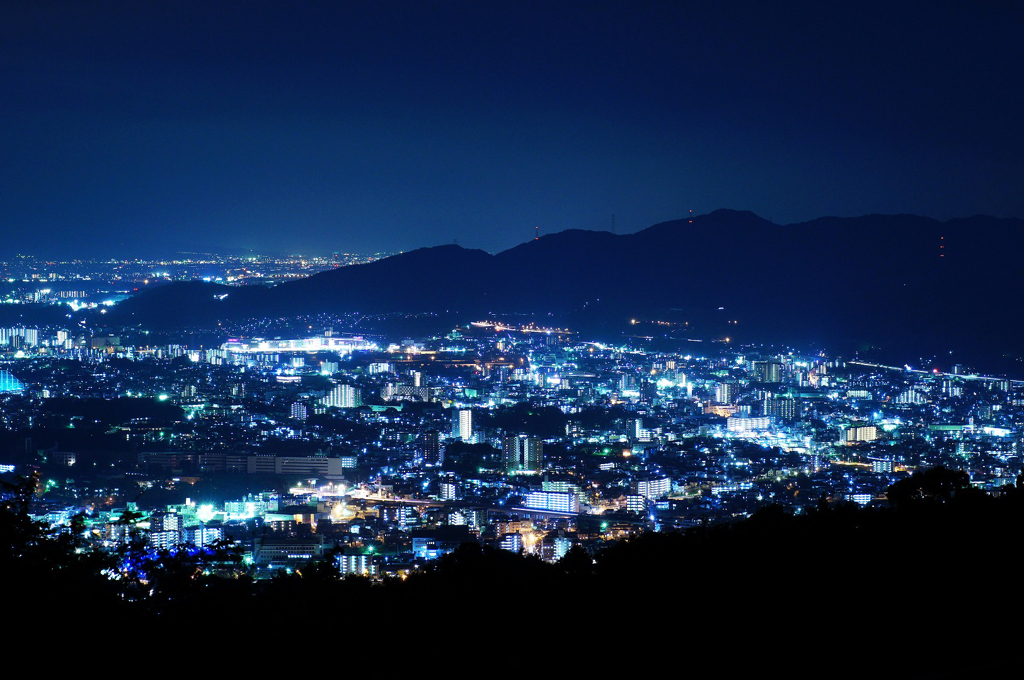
(883, 280)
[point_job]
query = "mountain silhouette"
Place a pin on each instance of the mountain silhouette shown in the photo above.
(879, 280)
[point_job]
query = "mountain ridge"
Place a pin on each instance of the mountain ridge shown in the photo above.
(870, 279)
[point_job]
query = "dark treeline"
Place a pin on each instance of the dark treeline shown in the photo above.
(926, 587)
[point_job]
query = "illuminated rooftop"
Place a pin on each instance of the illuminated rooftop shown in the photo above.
(8, 383)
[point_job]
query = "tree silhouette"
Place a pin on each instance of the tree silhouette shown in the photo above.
(48, 570)
(577, 562)
(938, 484)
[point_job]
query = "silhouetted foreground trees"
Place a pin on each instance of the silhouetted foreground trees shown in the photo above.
(929, 585)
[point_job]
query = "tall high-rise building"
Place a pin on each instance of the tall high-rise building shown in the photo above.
(654, 487)
(19, 337)
(511, 542)
(462, 424)
(351, 397)
(448, 488)
(552, 500)
(726, 392)
(521, 453)
(767, 371)
(431, 443)
(344, 396)
(853, 434)
(784, 408)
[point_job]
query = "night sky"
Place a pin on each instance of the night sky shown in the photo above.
(130, 127)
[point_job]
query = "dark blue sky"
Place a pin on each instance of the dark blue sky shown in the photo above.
(320, 126)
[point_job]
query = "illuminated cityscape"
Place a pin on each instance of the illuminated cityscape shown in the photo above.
(434, 338)
(79, 283)
(263, 447)
(487, 432)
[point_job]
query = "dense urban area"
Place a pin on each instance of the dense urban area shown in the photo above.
(385, 453)
(335, 462)
(453, 338)
(91, 283)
